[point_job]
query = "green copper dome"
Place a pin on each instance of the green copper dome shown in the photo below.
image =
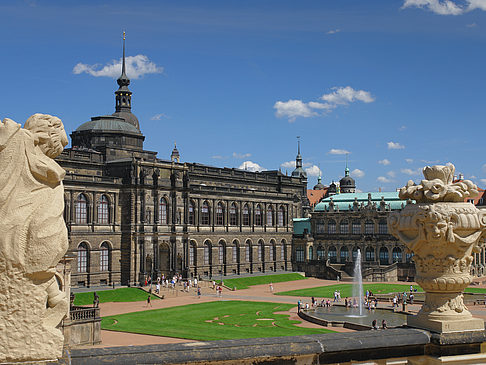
(108, 123)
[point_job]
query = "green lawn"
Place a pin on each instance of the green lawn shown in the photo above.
(347, 290)
(475, 290)
(245, 283)
(222, 320)
(116, 295)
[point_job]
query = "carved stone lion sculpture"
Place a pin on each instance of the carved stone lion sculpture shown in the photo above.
(33, 239)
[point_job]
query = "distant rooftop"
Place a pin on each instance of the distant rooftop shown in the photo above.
(344, 202)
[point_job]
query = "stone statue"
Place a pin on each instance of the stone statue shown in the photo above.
(443, 232)
(33, 239)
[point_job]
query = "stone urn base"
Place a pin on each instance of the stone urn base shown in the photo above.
(445, 326)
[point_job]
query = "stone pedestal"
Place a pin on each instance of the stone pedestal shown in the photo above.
(443, 232)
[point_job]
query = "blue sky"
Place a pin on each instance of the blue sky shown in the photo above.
(397, 84)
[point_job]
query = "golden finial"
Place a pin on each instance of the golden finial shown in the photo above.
(123, 35)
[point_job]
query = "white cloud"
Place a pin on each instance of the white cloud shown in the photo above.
(395, 146)
(241, 155)
(402, 128)
(288, 164)
(294, 108)
(473, 177)
(136, 67)
(411, 172)
(483, 181)
(484, 167)
(391, 173)
(472, 25)
(218, 157)
(251, 166)
(357, 173)
(446, 7)
(333, 31)
(409, 160)
(383, 179)
(384, 162)
(159, 116)
(336, 151)
(313, 171)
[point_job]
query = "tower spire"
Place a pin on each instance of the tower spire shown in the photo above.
(123, 61)
(298, 159)
(346, 170)
(123, 96)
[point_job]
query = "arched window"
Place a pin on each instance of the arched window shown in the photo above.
(408, 256)
(233, 216)
(343, 254)
(207, 253)
(383, 256)
(258, 216)
(219, 214)
(332, 254)
(192, 217)
(331, 226)
(83, 257)
(397, 254)
(246, 215)
(105, 257)
(269, 216)
(273, 253)
(103, 210)
(81, 209)
(370, 254)
(311, 253)
(248, 251)
(356, 226)
(369, 226)
(192, 254)
(344, 226)
(320, 252)
(382, 227)
(283, 253)
(163, 216)
(281, 215)
(355, 253)
(205, 214)
(261, 251)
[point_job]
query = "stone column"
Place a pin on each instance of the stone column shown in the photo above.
(443, 233)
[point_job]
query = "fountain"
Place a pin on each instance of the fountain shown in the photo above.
(358, 283)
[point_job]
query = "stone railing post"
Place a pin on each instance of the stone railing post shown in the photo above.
(442, 231)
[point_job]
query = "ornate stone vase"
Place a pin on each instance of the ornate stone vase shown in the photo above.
(442, 231)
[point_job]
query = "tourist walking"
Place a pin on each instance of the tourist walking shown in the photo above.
(148, 301)
(383, 324)
(271, 288)
(199, 293)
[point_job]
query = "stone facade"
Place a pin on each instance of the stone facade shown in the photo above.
(130, 214)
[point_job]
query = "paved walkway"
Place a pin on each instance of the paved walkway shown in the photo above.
(261, 293)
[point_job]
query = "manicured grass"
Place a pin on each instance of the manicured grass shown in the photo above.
(116, 295)
(475, 290)
(245, 283)
(211, 321)
(347, 290)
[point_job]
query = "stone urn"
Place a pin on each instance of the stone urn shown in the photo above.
(442, 231)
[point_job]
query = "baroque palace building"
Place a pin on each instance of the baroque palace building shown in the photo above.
(130, 214)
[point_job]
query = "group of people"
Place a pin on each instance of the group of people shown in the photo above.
(374, 325)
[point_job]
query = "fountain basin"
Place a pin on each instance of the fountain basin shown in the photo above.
(339, 316)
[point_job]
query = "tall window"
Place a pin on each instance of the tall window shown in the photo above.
(192, 254)
(397, 254)
(383, 256)
(235, 252)
(300, 254)
(270, 216)
(382, 227)
(272, 252)
(343, 254)
(281, 215)
(332, 253)
(258, 216)
(246, 215)
(103, 210)
(221, 253)
(311, 253)
(320, 253)
(81, 209)
(331, 226)
(261, 251)
(205, 213)
(369, 227)
(356, 226)
(320, 226)
(163, 211)
(83, 257)
(344, 226)
(104, 257)
(233, 217)
(248, 252)
(191, 218)
(219, 214)
(207, 248)
(282, 251)
(370, 254)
